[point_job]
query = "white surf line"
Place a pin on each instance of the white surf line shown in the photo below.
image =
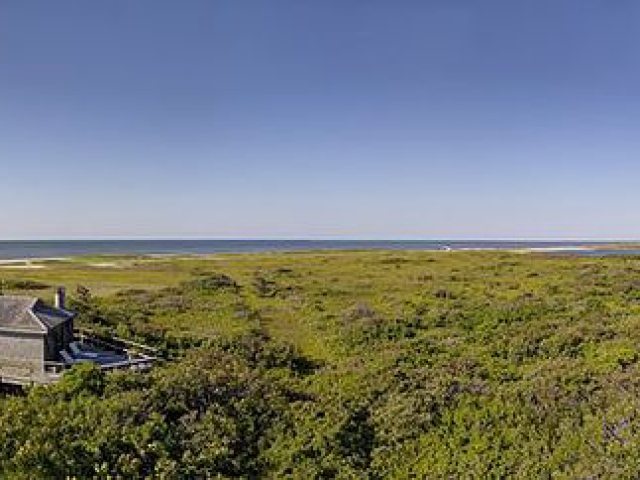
(13, 261)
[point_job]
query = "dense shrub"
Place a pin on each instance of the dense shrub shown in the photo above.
(213, 282)
(206, 414)
(13, 284)
(347, 365)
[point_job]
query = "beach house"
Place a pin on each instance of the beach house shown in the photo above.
(38, 342)
(32, 333)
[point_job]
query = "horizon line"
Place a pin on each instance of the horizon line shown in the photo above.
(320, 239)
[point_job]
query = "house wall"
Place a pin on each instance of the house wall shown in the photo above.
(58, 339)
(67, 334)
(53, 342)
(21, 355)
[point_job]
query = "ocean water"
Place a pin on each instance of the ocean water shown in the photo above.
(611, 252)
(18, 249)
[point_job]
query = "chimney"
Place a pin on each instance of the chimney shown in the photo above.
(60, 298)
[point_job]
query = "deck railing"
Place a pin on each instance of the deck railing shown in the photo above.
(116, 344)
(54, 368)
(137, 364)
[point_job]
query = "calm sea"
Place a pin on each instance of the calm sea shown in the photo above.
(17, 249)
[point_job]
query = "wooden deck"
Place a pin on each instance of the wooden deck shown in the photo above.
(123, 355)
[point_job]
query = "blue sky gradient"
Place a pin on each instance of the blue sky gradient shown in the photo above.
(320, 119)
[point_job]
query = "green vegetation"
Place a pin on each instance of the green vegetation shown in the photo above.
(343, 365)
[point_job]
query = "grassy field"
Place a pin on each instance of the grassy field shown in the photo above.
(389, 364)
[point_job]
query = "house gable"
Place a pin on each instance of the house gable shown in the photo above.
(17, 314)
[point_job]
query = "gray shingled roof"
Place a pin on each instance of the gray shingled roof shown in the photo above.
(31, 314)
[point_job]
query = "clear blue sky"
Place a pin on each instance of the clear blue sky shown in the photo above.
(289, 118)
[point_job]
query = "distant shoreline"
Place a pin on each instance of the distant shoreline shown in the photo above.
(15, 253)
